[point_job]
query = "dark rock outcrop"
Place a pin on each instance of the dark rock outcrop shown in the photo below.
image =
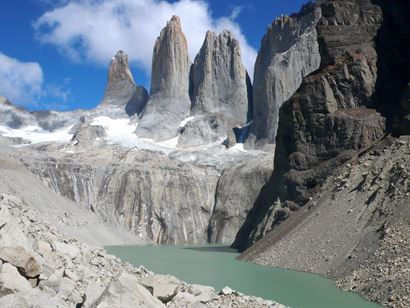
(289, 52)
(169, 101)
(392, 95)
(329, 120)
(14, 116)
(219, 90)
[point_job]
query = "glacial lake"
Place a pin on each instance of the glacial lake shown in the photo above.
(216, 266)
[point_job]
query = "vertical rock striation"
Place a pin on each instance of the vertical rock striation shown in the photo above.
(330, 118)
(220, 78)
(289, 52)
(169, 101)
(121, 90)
(219, 90)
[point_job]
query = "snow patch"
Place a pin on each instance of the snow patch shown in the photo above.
(36, 134)
(185, 121)
(121, 132)
(237, 148)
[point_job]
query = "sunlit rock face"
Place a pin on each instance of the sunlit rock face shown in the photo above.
(219, 90)
(169, 101)
(289, 52)
(121, 90)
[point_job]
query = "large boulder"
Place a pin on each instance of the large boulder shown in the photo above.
(19, 257)
(126, 291)
(163, 287)
(10, 231)
(11, 281)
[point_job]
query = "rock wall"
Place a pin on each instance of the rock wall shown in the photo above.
(156, 198)
(219, 91)
(329, 119)
(289, 52)
(160, 199)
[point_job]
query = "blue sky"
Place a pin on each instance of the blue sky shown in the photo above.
(55, 54)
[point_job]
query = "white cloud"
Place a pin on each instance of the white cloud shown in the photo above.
(22, 82)
(92, 31)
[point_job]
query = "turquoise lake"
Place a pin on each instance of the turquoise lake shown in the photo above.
(216, 266)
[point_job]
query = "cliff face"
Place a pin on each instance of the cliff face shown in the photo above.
(158, 198)
(329, 119)
(289, 52)
(169, 101)
(219, 90)
(337, 193)
(219, 79)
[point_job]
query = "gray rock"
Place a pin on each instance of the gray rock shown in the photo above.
(163, 287)
(230, 140)
(121, 90)
(202, 293)
(22, 259)
(220, 88)
(289, 52)
(14, 116)
(10, 232)
(11, 281)
(126, 291)
(32, 299)
(203, 129)
(67, 287)
(89, 135)
(226, 291)
(169, 101)
(43, 247)
(329, 120)
(66, 249)
(238, 188)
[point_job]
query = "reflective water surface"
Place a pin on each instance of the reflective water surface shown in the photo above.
(216, 266)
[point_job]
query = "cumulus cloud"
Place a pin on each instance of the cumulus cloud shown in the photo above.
(92, 31)
(20, 81)
(23, 84)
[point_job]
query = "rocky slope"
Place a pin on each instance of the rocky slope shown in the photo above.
(328, 120)
(40, 267)
(354, 229)
(338, 182)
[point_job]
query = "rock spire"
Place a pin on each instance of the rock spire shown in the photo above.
(121, 90)
(169, 101)
(220, 88)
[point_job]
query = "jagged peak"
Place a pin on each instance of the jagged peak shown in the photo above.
(175, 19)
(119, 69)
